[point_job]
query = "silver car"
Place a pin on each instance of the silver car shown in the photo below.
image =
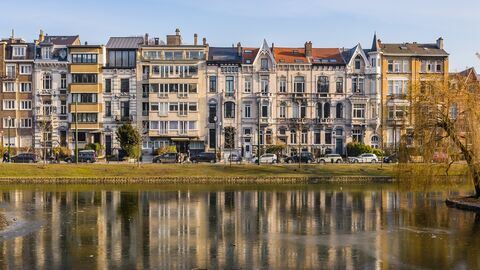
(330, 158)
(364, 158)
(267, 158)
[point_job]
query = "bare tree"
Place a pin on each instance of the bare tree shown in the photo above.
(446, 124)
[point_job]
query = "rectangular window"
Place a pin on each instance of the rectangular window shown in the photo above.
(125, 109)
(25, 87)
(108, 85)
(85, 117)
(192, 88)
(212, 85)
(264, 85)
(63, 107)
(19, 51)
(9, 87)
(264, 64)
(7, 123)
(9, 104)
(248, 85)
(125, 85)
(25, 105)
(84, 78)
(339, 85)
(283, 85)
(84, 58)
(11, 71)
(182, 108)
(229, 88)
(121, 59)
(247, 131)
(192, 107)
(316, 136)
(163, 108)
(84, 98)
(163, 127)
(358, 110)
(154, 106)
(25, 69)
(173, 107)
(173, 125)
(247, 111)
(283, 111)
(322, 84)
(357, 85)
(390, 66)
(63, 81)
(108, 108)
(264, 110)
(328, 136)
(25, 122)
(293, 137)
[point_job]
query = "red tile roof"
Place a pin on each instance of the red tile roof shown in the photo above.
(297, 55)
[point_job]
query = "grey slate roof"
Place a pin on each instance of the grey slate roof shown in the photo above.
(61, 40)
(124, 42)
(224, 55)
(419, 49)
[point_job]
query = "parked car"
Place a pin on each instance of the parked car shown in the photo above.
(204, 157)
(331, 158)
(266, 158)
(364, 158)
(393, 158)
(25, 158)
(88, 156)
(166, 158)
(235, 158)
(305, 157)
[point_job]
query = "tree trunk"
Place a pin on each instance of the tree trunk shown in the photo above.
(469, 156)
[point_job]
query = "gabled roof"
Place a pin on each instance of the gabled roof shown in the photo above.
(469, 73)
(124, 42)
(349, 54)
(224, 55)
(416, 49)
(265, 50)
(321, 56)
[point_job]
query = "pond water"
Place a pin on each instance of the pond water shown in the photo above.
(267, 227)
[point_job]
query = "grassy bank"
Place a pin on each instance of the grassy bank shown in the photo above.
(217, 170)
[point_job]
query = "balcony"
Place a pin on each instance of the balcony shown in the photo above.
(397, 96)
(85, 88)
(83, 126)
(85, 68)
(86, 107)
(324, 120)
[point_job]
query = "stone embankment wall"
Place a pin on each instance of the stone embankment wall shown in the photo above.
(199, 180)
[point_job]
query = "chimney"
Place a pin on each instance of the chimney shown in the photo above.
(195, 39)
(440, 43)
(157, 41)
(204, 41)
(239, 49)
(41, 36)
(174, 40)
(308, 49)
(177, 32)
(145, 39)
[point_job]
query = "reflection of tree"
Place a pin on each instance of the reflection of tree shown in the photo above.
(128, 206)
(229, 137)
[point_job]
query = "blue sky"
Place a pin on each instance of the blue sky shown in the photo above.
(284, 22)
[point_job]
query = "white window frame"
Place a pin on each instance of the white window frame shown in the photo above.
(7, 104)
(6, 124)
(247, 109)
(19, 51)
(25, 105)
(26, 123)
(28, 70)
(22, 88)
(9, 89)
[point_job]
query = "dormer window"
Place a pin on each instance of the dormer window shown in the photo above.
(46, 53)
(264, 64)
(248, 61)
(358, 63)
(247, 51)
(295, 51)
(299, 61)
(18, 51)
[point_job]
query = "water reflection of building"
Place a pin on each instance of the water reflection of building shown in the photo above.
(183, 229)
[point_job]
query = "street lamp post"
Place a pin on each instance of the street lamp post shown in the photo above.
(215, 119)
(258, 130)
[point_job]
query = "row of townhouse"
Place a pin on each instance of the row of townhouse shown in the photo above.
(203, 98)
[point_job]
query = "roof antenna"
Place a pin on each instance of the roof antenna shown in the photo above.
(13, 33)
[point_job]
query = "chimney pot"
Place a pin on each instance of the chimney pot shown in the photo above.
(204, 41)
(145, 39)
(239, 49)
(195, 39)
(308, 49)
(440, 43)
(177, 32)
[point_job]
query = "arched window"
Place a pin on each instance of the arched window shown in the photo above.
(268, 136)
(318, 110)
(303, 110)
(295, 110)
(299, 84)
(283, 110)
(47, 81)
(374, 141)
(326, 110)
(229, 109)
(358, 62)
(339, 111)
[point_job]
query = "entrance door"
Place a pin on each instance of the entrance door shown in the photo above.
(339, 146)
(108, 145)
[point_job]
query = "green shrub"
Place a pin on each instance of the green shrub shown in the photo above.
(165, 149)
(94, 146)
(355, 148)
(62, 152)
